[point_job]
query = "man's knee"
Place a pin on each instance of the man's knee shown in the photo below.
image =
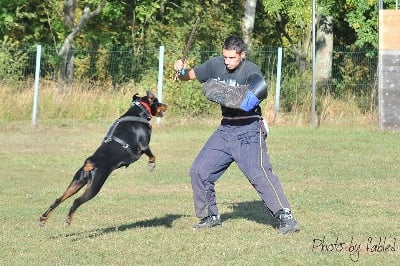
(193, 173)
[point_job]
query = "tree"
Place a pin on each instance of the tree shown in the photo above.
(362, 18)
(248, 20)
(293, 22)
(324, 47)
(66, 51)
(26, 22)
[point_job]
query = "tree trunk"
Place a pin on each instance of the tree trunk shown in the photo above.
(67, 51)
(324, 48)
(248, 21)
(67, 70)
(69, 13)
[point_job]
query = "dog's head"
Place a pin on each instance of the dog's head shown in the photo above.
(157, 109)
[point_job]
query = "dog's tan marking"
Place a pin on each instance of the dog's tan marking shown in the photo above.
(89, 166)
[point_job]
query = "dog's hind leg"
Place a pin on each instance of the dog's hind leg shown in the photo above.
(98, 177)
(79, 180)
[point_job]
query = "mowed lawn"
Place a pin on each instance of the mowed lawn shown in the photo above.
(343, 184)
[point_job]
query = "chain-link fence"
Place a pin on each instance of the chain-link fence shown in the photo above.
(352, 72)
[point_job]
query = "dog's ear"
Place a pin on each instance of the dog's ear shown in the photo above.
(150, 95)
(135, 97)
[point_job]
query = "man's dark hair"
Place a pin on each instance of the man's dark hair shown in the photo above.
(234, 42)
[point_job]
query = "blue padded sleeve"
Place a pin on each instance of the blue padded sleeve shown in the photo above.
(250, 102)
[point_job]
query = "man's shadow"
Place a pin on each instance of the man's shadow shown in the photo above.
(251, 210)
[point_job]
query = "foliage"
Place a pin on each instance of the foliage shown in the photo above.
(363, 19)
(12, 60)
(295, 93)
(31, 22)
(186, 98)
(120, 47)
(293, 24)
(294, 19)
(137, 24)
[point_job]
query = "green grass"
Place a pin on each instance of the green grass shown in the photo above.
(342, 183)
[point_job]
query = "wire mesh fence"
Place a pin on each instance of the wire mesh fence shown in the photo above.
(352, 72)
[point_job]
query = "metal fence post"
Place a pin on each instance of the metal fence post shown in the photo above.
(160, 78)
(36, 87)
(313, 89)
(278, 80)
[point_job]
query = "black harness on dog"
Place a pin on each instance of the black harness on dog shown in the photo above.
(110, 134)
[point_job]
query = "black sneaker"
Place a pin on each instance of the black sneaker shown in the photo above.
(208, 222)
(288, 223)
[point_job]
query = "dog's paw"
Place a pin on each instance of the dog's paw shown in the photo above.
(42, 220)
(151, 166)
(67, 221)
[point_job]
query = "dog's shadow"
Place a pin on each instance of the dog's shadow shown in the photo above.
(250, 210)
(165, 221)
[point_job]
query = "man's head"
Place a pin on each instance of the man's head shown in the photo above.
(233, 51)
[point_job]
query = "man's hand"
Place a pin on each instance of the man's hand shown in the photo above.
(179, 65)
(182, 72)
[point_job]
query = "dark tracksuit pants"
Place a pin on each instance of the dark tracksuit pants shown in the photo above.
(242, 141)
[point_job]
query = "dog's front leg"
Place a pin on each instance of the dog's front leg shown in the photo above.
(152, 159)
(151, 164)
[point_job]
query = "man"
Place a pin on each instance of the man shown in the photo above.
(235, 84)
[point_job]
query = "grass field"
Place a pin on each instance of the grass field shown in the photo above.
(343, 184)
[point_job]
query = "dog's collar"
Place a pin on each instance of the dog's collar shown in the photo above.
(147, 107)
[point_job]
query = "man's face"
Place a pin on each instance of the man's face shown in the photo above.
(232, 59)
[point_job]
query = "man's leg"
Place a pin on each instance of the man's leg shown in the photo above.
(209, 165)
(252, 158)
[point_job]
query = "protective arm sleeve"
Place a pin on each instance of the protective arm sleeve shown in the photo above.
(245, 97)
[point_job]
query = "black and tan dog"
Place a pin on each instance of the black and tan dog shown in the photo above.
(127, 139)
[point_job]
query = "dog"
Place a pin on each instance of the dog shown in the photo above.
(126, 141)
